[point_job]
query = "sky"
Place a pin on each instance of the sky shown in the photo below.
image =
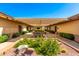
(40, 10)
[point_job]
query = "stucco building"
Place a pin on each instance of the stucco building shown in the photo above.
(70, 25)
(41, 23)
(8, 25)
(66, 25)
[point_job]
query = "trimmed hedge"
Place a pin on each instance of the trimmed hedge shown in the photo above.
(42, 46)
(3, 38)
(67, 35)
(6, 35)
(29, 30)
(23, 32)
(18, 34)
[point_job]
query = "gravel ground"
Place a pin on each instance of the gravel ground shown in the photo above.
(69, 51)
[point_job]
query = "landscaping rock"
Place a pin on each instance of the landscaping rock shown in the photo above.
(25, 52)
(22, 46)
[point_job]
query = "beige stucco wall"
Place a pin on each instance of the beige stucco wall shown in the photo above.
(69, 27)
(9, 26)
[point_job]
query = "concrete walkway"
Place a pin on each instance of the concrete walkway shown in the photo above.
(70, 42)
(73, 43)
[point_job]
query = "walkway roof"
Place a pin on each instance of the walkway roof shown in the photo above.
(40, 21)
(9, 18)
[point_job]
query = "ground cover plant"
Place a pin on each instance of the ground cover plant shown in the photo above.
(16, 34)
(3, 38)
(67, 35)
(19, 33)
(42, 46)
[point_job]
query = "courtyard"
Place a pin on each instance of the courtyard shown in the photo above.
(68, 49)
(39, 36)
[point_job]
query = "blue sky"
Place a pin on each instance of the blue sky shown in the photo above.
(40, 10)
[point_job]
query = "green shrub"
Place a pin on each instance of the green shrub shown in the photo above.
(23, 32)
(67, 35)
(42, 46)
(29, 30)
(6, 35)
(3, 38)
(16, 35)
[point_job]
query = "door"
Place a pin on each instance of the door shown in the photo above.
(55, 29)
(20, 28)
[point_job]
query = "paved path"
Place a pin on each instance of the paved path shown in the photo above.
(73, 43)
